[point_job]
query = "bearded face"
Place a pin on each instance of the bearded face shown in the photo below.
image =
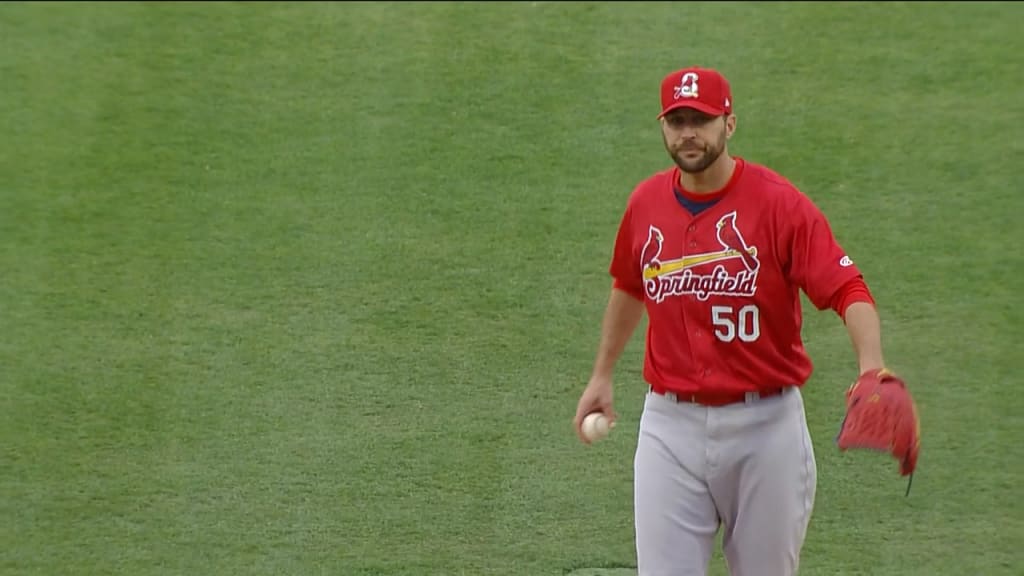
(694, 139)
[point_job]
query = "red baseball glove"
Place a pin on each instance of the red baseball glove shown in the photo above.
(881, 415)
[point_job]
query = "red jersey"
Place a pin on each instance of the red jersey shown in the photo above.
(722, 288)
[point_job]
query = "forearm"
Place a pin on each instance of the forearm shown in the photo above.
(865, 330)
(621, 318)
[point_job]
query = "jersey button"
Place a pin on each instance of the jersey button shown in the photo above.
(692, 228)
(693, 244)
(707, 372)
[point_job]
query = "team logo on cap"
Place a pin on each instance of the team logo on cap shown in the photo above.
(687, 86)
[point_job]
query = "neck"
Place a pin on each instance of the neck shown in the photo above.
(711, 179)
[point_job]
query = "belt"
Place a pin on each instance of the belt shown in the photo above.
(718, 398)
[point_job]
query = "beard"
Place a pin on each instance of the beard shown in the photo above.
(700, 163)
(693, 165)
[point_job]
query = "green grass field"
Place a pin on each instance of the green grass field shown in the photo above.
(313, 288)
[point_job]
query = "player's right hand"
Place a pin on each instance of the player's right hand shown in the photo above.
(597, 397)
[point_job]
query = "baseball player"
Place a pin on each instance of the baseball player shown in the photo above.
(716, 250)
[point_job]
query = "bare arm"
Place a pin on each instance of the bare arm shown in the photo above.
(621, 318)
(864, 327)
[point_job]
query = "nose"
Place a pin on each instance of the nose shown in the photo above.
(687, 131)
(687, 140)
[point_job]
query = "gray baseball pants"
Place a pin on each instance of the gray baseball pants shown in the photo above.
(747, 469)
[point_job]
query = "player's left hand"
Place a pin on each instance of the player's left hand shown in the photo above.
(881, 415)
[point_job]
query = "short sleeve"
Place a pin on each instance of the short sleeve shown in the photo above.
(817, 263)
(625, 266)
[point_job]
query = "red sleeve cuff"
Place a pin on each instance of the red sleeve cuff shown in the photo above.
(631, 290)
(853, 291)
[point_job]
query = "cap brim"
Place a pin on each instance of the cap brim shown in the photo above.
(696, 105)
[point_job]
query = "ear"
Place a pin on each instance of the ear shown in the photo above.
(730, 125)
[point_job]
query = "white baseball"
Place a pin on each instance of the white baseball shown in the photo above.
(595, 426)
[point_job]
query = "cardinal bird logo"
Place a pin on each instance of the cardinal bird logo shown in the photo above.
(687, 86)
(651, 251)
(732, 240)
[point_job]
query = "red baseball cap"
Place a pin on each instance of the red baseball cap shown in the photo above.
(702, 89)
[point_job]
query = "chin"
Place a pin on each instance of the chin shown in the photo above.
(693, 166)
